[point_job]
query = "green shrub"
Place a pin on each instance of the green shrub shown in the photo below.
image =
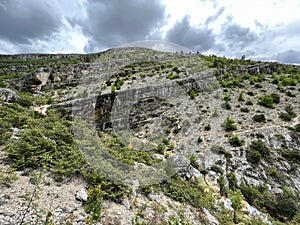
(244, 109)
(119, 83)
(235, 141)
(232, 181)
(5, 131)
(229, 124)
(222, 185)
(291, 155)
(266, 101)
(251, 194)
(241, 97)
(249, 102)
(173, 76)
(253, 156)
(256, 151)
(226, 105)
(286, 204)
(257, 78)
(183, 191)
(193, 161)
(25, 100)
(289, 114)
(192, 93)
(275, 97)
(94, 201)
(113, 89)
(227, 97)
(297, 217)
(259, 118)
(287, 81)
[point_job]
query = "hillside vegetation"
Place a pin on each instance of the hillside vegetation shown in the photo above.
(136, 136)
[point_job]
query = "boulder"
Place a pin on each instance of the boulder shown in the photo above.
(8, 95)
(81, 195)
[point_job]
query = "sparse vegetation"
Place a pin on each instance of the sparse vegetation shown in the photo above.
(32, 141)
(268, 100)
(259, 118)
(192, 93)
(256, 151)
(289, 114)
(235, 141)
(229, 124)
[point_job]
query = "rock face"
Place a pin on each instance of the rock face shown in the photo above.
(8, 95)
(174, 102)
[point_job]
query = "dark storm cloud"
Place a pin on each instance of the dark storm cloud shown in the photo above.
(21, 21)
(291, 57)
(110, 23)
(196, 39)
(238, 37)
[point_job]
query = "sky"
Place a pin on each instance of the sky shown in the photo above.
(258, 29)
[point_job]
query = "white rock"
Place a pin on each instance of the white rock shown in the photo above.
(212, 220)
(81, 195)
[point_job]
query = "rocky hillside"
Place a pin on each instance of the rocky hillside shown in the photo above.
(136, 136)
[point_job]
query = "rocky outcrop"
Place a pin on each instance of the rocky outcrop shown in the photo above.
(262, 68)
(8, 95)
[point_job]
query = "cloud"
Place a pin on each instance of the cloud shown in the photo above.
(291, 57)
(21, 21)
(110, 23)
(239, 37)
(215, 17)
(196, 39)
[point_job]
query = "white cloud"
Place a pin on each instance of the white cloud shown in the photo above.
(256, 28)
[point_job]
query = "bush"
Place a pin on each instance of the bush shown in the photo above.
(256, 151)
(232, 181)
(289, 114)
(235, 141)
(266, 101)
(94, 201)
(193, 161)
(192, 93)
(244, 109)
(222, 184)
(249, 102)
(25, 100)
(253, 156)
(241, 97)
(229, 124)
(227, 98)
(226, 105)
(275, 97)
(259, 118)
(251, 194)
(286, 204)
(183, 191)
(119, 83)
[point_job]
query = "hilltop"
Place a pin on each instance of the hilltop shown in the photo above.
(136, 136)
